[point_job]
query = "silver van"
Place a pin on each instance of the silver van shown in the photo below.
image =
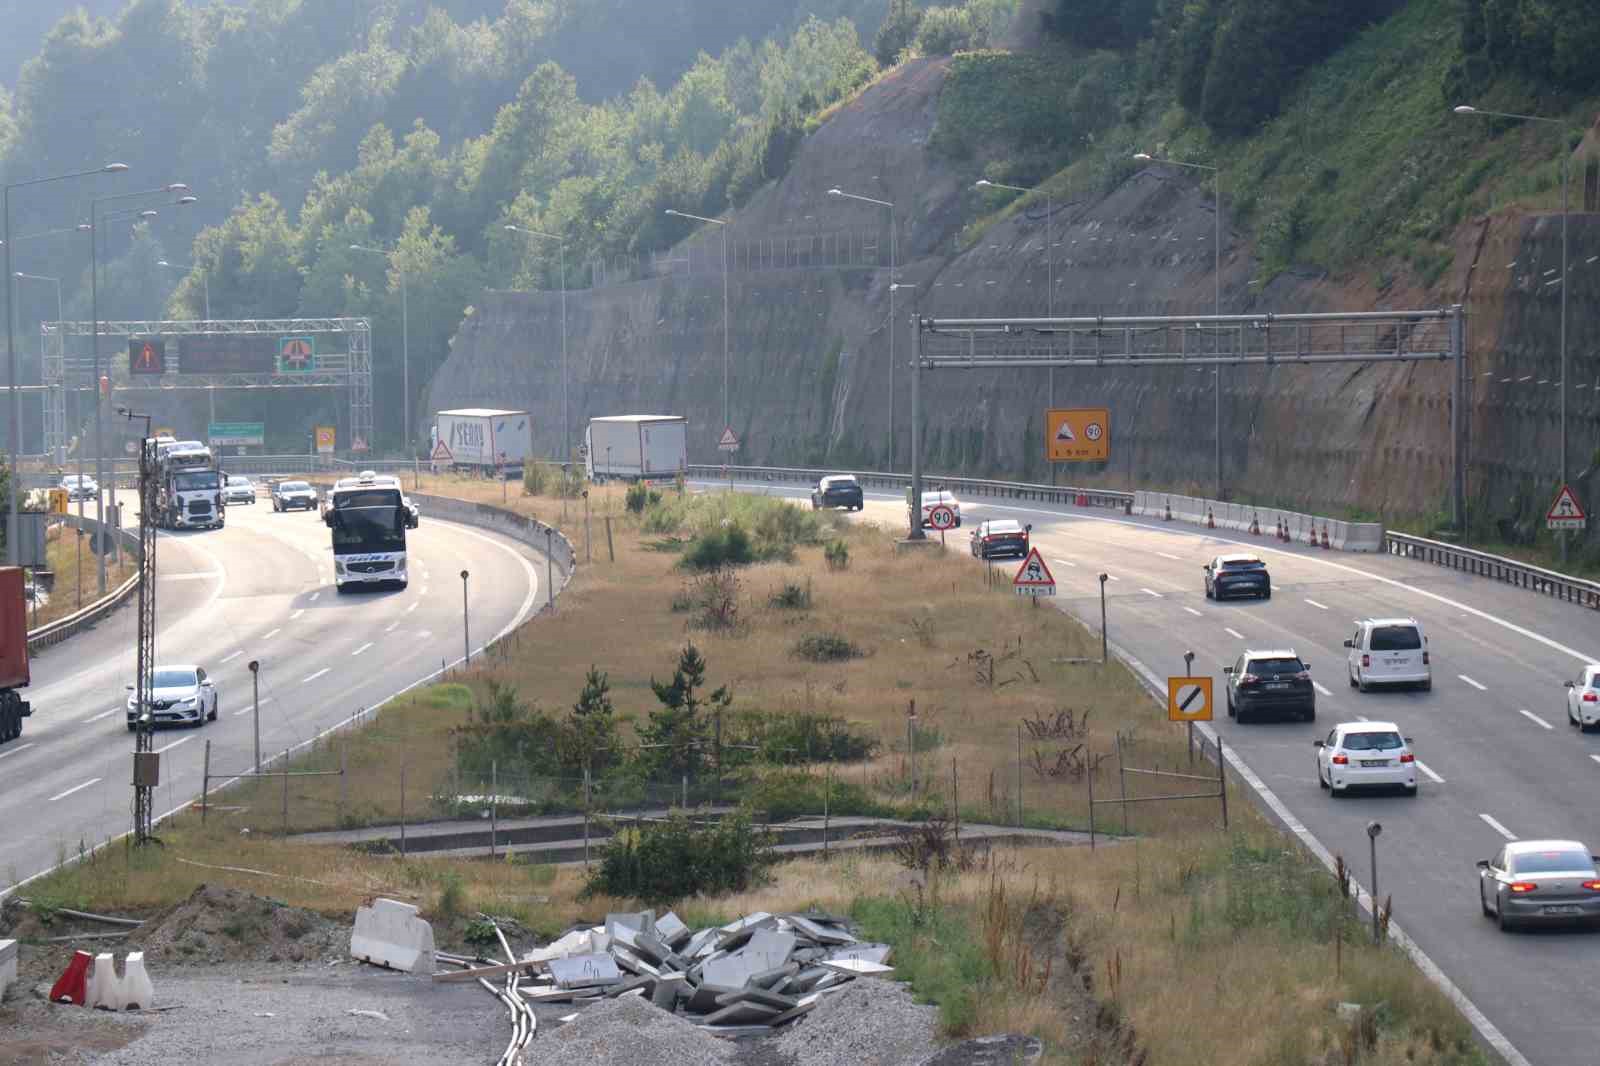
(1389, 651)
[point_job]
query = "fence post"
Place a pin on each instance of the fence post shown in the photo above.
(610, 548)
(1091, 800)
(494, 804)
(586, 814)
(402, 806)
(827, 790)
(1222, 784)
(1019, 775)
(1122, 784)
(285, 772)
(342, 786)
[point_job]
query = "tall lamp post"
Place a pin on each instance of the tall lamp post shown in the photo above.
(721, 224)
(20, 276)
(1566, 172)
(566, 422)
(15, 405)
(893, 267)
(1216, 300)
(405, 336)
(205, 279)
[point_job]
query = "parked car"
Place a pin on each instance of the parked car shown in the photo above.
(1002, 536)
(240, 489)
(1389, 651)
(80, 487)
(838, 490)
(1267, 682)
(1366, 755)
(1583, 698)
(1540, 881)
(178, 695)
(289, 495)
(1237, 575)
(930, 500)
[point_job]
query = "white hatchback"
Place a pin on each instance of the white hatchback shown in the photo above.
(930, 500)
(1389, 651)
(1366, 755)
(1583, 698)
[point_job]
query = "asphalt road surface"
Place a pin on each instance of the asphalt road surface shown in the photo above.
(1499, 760)
(261, 588)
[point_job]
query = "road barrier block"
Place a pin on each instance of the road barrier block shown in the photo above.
(137, 991)
(73, 984)
(8, 965)
(390, 934)
(105, 990)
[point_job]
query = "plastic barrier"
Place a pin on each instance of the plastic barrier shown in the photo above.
(390, 934)
(137, 991)
(105, 990)
(8, 965)
(73, 984)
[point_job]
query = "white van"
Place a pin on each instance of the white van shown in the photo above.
(1389, 651)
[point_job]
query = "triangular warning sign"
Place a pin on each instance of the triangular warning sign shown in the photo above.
(729, 440)
(1034, 572)
(1065, 432)
(1566, 505)
(441, 453)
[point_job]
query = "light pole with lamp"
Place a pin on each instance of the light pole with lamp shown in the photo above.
(205, 279)
(405, 336)
(566, 422)
(15, 405)
(1566, 171)
(893, 267)
(20, 276)
(722, 224)
(1216, 302)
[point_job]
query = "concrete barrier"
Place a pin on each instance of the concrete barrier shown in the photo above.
(8, 966)
(1236, 517)
(105, 990)
(137, 991)
(392, 935)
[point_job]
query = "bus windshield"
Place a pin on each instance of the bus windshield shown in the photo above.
(368, 521)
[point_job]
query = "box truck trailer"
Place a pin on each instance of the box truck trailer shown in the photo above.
(13, 653)
(635, 447)
(482, 438)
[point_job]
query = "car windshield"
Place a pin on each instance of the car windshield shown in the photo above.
(1556, 861)
(1372, 741)
(1274, 667)
(240, 481)
(1003, 528)
(197, 481)
(293, 486)
(839, 483)
(170, 678)
(1243, 564)
(1396, 638)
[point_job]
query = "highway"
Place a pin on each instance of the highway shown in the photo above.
(260, 588)
(1500, 760)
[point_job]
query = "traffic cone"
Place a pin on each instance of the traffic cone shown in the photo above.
(1283, 526)
(1168, 517)
(1325, 543)
(1311, 535)
(1211, 519)
(1255, 525)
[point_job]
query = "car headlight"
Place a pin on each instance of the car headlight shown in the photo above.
(187, 701)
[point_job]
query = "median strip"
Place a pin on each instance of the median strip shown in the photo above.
(75, 788)
(1535, 719)
(1498, 828)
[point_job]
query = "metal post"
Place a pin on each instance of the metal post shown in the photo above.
(955, 796)
(588, 532)
(685, 781)
(550, 566)
(566, 421)
(916, 435)
(1566, 283)
(610, 548)
(205, 782)
(586, 811)
(1019, 775)
(285, 774)
(1458, 477)
(14, 410)
(466, 625)
(1216, 298)
(343, 785)
(1122, 785)
(724, 229)
(893, 257)
(99, 439)
(494, 804)
(255, 703)
(405, 350)
(1103, 637)
(1050, 312)
(1373, 829)
(1222, 781)
(1090, 775)
(402, 805)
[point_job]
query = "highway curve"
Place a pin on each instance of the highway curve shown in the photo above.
(1501, 760)
(261, 588)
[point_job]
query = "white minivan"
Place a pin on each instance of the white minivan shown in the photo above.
(1389, 651)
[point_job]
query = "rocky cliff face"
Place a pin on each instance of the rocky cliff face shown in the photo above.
(809, 367)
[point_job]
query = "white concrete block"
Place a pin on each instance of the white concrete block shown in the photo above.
(137, 991)
(105, 990)
(8, 965)
(393, 935)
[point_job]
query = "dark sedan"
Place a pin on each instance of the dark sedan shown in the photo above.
(838, 490)
(1237, 575)
(1000, 537)
(1270, 682)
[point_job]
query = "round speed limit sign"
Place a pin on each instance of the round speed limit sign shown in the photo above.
(942, 517)
(1092, 431)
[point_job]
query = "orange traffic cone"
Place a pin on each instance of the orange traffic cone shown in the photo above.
(1255, 525)
(1311, 535)
(1325, 543)
(1168, 517)
(1211, 520)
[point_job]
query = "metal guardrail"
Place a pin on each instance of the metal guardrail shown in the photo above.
(1495, 568)
(62, 628)
(1066, 495)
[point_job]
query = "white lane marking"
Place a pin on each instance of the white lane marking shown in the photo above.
(75, 788)
(296, 613)
(1151, 592)
(1596, 758)
(361, 649)
(1427, 770)
(1474, 684)
(1318, 606)
(1174, 558)
(1112, 577)
(313, 677)
(1318, 686)
(1064, 562)
(269, 636)
(231, 656)
(1194, 612)
(102, 714)
(174, 744)
(411, 608)
(247, 710)
(13, 751)
(1234, 633)
(314, 596)
(1498, 828)
(1535, 719)
(392, 626)
(1277, 588)
(1362, 718)
(424, 590)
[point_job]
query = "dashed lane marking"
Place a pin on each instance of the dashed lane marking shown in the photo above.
(1535, 719)
(1318, 606)
(1194, 612)
(1474, 684)
(1151, 592)
(313, 677)
(231, 656)
(1435, 778)
(75, 788)
(1234, 633)
(16, 750)
(174, 744)
(272, 634)
(297, 613)
(1318, 686)
(102, 714)
(361, 649)
(1497, 827)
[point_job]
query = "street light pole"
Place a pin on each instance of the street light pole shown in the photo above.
(893, 268)
(723, 225)
(14, 431)
(566, 421)
(405, 340)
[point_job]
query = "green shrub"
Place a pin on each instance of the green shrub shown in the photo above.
(777, 794)
(536, 478)
(676, 858)
(792, 597)
(837, 555)
(797, 737)
(827, 648)
(641, 497)
(452, 899)
(727, 545)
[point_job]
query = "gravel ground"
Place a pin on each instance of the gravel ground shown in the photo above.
(871, 1023)
(631, 1032)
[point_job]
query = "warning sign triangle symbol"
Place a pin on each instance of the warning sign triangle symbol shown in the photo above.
(441, 453)
(1033, 571)
(1566, 505)
(1065, 432)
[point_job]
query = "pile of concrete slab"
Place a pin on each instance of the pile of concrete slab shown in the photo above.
(749, 976)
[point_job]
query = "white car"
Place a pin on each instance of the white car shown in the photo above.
(1366, 755)
(1583, 698)
(178, 695)
(930, 500)
(1389, 651)
(240, 489)
(79, 487)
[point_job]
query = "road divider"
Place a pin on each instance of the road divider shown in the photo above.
(1309, 529)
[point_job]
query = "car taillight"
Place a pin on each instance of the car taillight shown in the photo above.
(1523, 886)
(1246, 680)
(1590, 697)
(1304, 675)
(1366, 660)
(1592, 886)
(1424, 658)
(1408, 757)
(1341, 760)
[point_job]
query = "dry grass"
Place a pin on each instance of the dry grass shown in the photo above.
(76, 575)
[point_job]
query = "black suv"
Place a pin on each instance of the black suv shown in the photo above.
(1270, 682)
(1237, 575)
(837, 490)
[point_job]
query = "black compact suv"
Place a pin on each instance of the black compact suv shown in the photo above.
(1237, 575)
(1263, 683)
(837, 490)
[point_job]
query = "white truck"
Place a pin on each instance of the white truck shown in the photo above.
(481, 438)
(635, 447)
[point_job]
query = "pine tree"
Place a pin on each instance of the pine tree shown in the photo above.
(676, 734)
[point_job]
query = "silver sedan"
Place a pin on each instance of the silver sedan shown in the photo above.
(1540, 881)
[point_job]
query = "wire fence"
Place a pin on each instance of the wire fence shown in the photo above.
(798, 249)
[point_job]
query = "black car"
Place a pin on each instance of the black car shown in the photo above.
(1237, 575)
(1000, 537)
(837, 490)
(1270, 682)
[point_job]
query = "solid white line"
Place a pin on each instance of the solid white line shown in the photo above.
(297, 613)
(12, 751)
(313, 677)
(1498, 828)
(75, 788)
(1596, 758)
(102, 714)
(232, 656)
(1318, 686)
(1535, 719)
(1425, 769)
(201, 575)
(1064, 562)
(1194, 612)
(174, 744)
(361, 649)
(1174, 558)
(1234, 633)
(1318, 606)
(392, 627)
(1151, 592)
(272, 634)
(1474, 684)
(413, 607)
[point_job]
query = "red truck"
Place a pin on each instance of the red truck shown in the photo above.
(13, 653)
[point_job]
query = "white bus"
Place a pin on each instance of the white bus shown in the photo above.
(369, 518)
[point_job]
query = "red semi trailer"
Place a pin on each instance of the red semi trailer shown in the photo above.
(13, 653)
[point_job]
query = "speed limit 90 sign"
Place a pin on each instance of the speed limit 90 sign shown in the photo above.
(942, 517)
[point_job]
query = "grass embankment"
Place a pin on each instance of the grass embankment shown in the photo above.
(77, 577)
(1188, 944)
